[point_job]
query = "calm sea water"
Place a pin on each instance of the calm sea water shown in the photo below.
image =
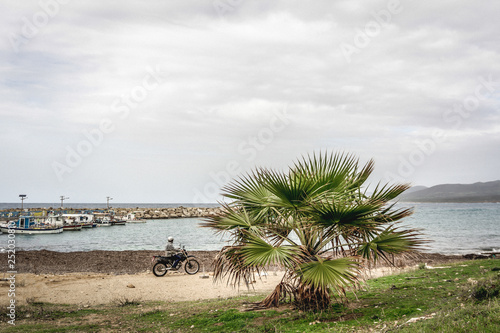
(451, 228)
(457, 228)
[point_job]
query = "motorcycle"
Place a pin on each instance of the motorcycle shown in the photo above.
(164, 264)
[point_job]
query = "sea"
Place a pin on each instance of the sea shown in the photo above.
(450, 228)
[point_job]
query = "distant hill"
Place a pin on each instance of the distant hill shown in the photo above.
(415, 189)
(477, 192)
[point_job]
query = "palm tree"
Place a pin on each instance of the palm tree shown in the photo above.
(315, 221)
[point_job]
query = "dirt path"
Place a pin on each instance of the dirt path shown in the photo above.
(91, 289)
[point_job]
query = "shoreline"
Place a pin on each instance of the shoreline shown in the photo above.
(133, 262)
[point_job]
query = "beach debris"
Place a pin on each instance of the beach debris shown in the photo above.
(204, 276)
(414, 320)
(130, 285)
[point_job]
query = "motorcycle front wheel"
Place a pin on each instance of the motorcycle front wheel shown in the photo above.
(159, 269)
(192, 266)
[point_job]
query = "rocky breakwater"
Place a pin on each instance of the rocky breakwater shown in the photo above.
(140, 213)
(168, 213)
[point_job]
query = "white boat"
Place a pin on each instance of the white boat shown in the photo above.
(69, 222)
(130, 218)
(77, 221)
(27, 225)
(103, 224)
(102, 219)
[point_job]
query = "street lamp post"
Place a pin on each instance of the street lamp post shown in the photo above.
(107, 201)
(62, 200)
(23, 197)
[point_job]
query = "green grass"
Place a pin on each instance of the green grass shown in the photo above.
(462, 297)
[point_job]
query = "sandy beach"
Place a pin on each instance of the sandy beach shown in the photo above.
(92, 289)
(101, 277)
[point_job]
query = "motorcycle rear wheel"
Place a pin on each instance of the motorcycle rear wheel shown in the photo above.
(160, 269)
(192, 266)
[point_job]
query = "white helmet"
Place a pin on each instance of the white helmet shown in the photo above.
(170, 239)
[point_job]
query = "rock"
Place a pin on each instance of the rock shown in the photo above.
(473, 256)
(130, 285)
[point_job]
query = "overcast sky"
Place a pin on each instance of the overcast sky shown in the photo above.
(165, 101)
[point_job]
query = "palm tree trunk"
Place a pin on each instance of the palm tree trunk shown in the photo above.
(308, 298)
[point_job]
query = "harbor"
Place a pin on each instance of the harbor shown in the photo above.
(147, 213)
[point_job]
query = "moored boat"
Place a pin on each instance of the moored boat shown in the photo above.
(69, 222)
(72, 227)
(131, 218)
(27, 225)
(107, 218)
(102, 219)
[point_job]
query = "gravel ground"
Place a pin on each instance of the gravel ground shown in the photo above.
(112, 262)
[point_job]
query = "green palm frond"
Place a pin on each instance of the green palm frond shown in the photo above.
(327, 173)
(257, 252)
(391, 215)
(362, 176)
(324, 273)
(347, 214)
(229, 263)
(248, 191)
(388, 192)
(288, 193)
(231, 219)
(390, 241)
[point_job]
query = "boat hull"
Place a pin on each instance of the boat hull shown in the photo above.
(32, 231)
(72, 227)
(118, 222)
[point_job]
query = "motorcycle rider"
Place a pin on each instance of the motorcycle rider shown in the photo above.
(171, 251)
